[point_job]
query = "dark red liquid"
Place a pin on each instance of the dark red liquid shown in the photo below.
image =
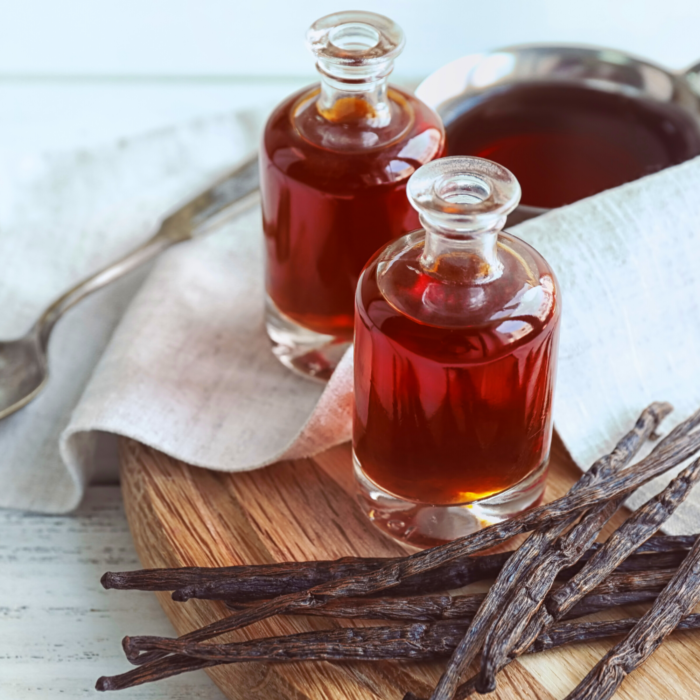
(565, 142)
(447, 415)
(326, 211)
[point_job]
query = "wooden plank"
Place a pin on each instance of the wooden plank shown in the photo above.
(182, 515)
(59, 629)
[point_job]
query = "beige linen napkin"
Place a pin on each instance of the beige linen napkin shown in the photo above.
(628, 261)
(62, 217)
(189, 370)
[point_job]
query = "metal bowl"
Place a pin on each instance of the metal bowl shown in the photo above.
(451, 89)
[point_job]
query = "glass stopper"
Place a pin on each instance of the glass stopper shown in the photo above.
(463, 194)
(355, 44)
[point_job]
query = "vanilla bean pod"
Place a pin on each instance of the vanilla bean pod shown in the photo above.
(454, 574)
(154, 671)
(626, 588)
(436, 608)
(643, 564)
(636, 562)
(669, 551)
(261, 581)
(511, 631)
(266, 579)
(393, 574)
(565, 633)
(620, 581)
(674, 603)
(417, 641)
(666, 543)
(519, 564)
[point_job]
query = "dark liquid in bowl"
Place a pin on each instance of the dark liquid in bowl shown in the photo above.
(566, 142)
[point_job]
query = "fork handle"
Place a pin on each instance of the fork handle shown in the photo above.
(226, 199)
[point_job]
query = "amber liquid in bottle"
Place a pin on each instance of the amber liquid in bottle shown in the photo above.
(452, 414)
(456, 335)
(335, 160)
(326, 211)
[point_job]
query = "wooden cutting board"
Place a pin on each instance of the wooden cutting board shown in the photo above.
(185, 516)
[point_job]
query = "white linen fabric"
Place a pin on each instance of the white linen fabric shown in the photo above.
(189, 370)
(628, 263)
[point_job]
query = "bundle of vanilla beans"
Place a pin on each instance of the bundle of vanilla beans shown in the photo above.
(557, 575)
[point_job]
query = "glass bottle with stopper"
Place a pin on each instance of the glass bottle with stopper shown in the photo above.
(456, 335)
(335, 160)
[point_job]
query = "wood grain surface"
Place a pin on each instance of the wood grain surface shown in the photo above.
(184, 516)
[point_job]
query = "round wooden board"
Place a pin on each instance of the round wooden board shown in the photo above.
(184, 516)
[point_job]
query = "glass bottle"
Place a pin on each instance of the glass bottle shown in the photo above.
(335, 161)
(456, 333)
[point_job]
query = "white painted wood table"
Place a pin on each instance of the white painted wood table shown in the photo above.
(59, 630)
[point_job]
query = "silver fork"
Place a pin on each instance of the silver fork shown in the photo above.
(23, 362)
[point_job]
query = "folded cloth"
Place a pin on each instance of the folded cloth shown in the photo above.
(189, 370)
(627, 261)
(62, 217)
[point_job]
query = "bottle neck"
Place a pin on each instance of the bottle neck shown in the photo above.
(462, 256)
(360, 101)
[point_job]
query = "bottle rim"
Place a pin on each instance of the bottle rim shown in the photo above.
(354, 39)
(459, 192)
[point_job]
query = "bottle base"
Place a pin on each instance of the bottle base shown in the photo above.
(310, 354)
(423, 525)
